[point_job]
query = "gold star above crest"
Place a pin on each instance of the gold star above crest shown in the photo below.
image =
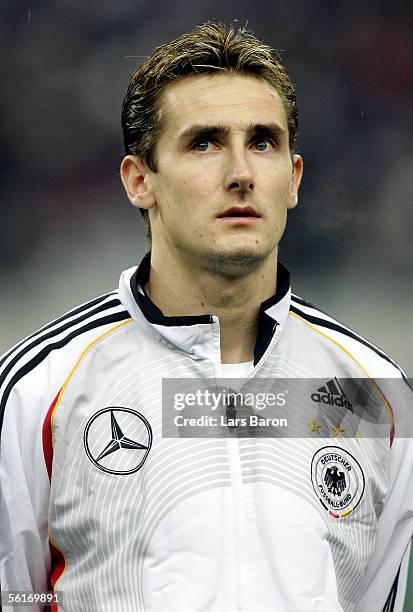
(314, 427)
(337, 431)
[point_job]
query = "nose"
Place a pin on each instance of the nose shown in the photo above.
(239, 176)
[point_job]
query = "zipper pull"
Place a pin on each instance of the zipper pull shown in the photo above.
(231, 414)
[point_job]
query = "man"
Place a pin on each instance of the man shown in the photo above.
(98, 502)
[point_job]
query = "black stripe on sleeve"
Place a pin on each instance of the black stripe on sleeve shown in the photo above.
(304, 302)
(67, 315)
(35, 361)
(350, 334)
(54, 332)
(391, 599)
(357, 336)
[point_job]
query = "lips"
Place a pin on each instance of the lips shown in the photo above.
(239, 211)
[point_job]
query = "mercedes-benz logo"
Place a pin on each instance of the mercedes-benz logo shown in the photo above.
(117, 440)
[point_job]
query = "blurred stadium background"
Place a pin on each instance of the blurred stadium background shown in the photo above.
(67, 228)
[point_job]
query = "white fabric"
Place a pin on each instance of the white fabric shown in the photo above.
(218, 524)
(236, 370)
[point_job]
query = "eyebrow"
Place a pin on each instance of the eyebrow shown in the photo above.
(273, 130)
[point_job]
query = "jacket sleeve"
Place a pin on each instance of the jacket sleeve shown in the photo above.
(24, 492)
(31, 376)
(385, 581)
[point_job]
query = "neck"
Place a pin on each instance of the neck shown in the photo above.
(178, 289)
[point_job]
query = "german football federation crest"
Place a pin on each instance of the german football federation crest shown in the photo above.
(338, 480)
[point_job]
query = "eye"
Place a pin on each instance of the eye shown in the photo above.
(263, 143)
(200, 145)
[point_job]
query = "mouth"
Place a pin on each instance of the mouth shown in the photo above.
(239, 212)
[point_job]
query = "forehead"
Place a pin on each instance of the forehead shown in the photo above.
(231, 100)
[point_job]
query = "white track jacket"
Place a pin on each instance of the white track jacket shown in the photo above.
(97, 503)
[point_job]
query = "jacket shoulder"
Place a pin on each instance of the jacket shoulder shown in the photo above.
(376, 361)
(36, 367)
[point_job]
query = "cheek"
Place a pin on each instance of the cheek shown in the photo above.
(197, 184)
(184, 199)
(194, 194)
(278, 185)
(193, 181)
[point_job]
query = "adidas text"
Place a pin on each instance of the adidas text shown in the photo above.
(332, 400)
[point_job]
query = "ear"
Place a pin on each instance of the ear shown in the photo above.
(136, 179)
(295, 181)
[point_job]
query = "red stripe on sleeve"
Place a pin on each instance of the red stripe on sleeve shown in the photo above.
(47, 437)
(57, 564)
(57, 568)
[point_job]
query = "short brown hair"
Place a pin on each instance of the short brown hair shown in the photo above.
(208, 47)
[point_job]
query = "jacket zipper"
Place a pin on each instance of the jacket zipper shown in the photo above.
(239, 522)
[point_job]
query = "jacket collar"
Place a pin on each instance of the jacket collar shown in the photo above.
(198, 335)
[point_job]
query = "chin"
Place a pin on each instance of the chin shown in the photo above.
(236, 261)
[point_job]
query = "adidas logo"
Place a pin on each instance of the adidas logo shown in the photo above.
(332, 394)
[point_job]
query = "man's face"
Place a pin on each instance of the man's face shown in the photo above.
(225, 175)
